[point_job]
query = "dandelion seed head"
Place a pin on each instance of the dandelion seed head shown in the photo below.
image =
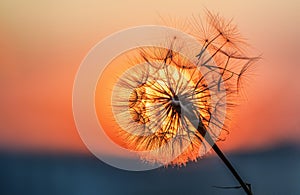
(166, 103)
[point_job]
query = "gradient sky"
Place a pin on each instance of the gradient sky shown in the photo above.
(44, 42)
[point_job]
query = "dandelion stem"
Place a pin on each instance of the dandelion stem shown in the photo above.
(232, 169)
(224, 159)
(205, 134)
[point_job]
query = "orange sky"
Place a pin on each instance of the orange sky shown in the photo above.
(43, 44)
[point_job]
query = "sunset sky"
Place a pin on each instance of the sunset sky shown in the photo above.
(44, 42)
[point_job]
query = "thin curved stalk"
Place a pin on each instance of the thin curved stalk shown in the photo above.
(224, 159)
(205, 134)
(232, 169)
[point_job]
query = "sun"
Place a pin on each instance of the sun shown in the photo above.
(157, 105)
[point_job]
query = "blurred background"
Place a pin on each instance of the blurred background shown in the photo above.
(42, 46)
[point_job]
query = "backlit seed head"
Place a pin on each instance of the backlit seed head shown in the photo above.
(167, 103)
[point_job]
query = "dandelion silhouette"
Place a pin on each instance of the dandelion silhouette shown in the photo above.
(171, 106)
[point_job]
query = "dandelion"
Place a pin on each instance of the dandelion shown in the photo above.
(172, 107)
